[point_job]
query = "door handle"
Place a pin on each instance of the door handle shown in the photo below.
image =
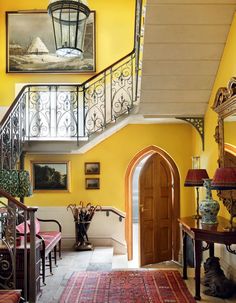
(141, 206)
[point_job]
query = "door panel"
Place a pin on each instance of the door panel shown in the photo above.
(155, 211)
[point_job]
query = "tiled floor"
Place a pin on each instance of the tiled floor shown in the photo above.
(100, 259)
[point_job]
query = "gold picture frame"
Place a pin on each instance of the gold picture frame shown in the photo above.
(92, 168)
(92, 183)
(30, 45)
(53, 176)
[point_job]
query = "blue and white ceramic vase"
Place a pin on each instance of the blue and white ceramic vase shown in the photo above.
(209, 208)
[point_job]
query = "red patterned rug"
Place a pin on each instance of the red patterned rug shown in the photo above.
(140, 286)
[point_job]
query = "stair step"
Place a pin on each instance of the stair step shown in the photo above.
(101, 259)
(120, 261)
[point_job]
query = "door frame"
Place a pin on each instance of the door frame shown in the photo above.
(150, 150)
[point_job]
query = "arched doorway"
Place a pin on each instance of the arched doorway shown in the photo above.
(175, 203)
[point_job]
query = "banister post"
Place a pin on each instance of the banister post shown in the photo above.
(32, 271)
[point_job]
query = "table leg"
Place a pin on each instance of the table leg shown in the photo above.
(184, 235)
(211, 250)
(198, 257)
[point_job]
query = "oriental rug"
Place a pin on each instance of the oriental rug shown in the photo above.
(139, 286)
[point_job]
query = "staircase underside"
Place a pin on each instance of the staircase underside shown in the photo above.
(183, 44)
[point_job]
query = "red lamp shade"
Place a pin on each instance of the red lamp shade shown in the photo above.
(195, 177)
(224, 178)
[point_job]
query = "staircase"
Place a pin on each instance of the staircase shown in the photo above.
(70, 115)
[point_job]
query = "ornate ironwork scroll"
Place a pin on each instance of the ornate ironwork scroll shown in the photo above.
(95, 106)
(109, 97)
(197, 123)
(12, 132)
(7, 251)
(122, 89)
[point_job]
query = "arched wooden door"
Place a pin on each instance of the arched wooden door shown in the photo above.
(155, 205)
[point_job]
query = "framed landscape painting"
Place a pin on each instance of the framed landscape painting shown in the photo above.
(31, 46)
(92, 183)
(50, 176)
(92, 168)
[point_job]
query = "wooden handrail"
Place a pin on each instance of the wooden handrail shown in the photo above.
(18, 203)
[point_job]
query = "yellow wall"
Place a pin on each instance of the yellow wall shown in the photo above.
(114, 39)
(114, 154)
(227, 69)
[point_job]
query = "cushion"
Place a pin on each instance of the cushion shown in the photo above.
(21, 228)
(37, 226)
(10, 296)
(51, 238)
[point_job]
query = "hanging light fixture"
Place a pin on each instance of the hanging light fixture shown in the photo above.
(69, 18)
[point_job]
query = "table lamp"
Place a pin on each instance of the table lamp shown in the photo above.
(225, 179)
(16, 183)
(195, 178)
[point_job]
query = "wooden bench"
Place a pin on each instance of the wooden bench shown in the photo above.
(50, 241)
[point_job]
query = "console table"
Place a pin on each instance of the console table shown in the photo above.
(210, 234)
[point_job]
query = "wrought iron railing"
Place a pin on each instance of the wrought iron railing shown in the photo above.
(71, 112)
(17, 267)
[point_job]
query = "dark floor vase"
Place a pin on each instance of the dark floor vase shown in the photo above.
(82, 242)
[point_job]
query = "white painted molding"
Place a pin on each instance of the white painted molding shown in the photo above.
(103, 231)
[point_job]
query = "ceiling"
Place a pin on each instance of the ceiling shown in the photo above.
(183, 44)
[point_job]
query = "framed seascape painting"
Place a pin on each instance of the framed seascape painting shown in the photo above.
(50, 176)
(31, 46)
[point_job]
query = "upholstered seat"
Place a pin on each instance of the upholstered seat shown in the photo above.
(50, 240)
(9, 296)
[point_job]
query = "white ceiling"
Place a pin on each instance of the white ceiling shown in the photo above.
(183, 44)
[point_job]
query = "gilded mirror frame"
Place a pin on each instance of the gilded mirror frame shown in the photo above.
(224, 105)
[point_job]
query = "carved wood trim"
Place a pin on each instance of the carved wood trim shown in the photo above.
(225, 105)
(230, 149)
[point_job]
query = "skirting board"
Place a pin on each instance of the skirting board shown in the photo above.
(119, 248)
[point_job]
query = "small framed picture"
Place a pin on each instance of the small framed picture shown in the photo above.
(92, 183)
(92, 168)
